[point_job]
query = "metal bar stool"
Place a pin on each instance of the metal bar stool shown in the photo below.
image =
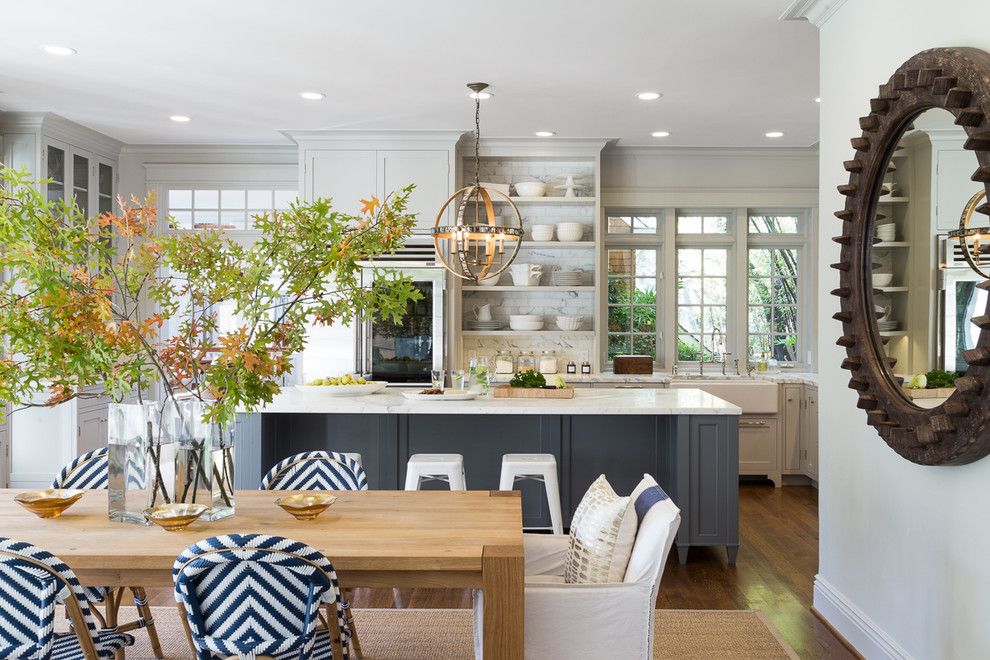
(538, 467)
(448, 468)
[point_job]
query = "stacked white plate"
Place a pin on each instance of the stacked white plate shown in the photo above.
(886, 326)
(887, 232)
(567, 277)
(526, 321)
(475, 324)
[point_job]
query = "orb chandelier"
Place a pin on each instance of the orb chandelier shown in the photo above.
(480, 244)
(973, 241)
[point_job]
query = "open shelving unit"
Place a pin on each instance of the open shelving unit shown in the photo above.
(509, 161)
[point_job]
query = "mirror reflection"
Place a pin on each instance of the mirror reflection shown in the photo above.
(924, 291)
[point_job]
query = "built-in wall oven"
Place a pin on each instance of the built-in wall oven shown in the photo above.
(959, 301)
(406, 352)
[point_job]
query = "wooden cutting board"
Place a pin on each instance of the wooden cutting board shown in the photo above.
(505, 391)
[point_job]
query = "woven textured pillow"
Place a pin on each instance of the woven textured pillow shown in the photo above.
(602, 534)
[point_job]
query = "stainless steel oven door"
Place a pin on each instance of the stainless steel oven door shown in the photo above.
(406, 352)
(961, 301)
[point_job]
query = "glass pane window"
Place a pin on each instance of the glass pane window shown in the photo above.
(774, 224)
(691, 223)
(231, 208)
(702, 294)
(773, 296)
(632, 302)
(633, 224)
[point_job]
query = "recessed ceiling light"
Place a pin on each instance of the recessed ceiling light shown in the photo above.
(660, 133)
(182, 119)
(774, 134)
(481, 96)
(52, 49)
(313, 96)
(545, 133)
(818, 99)
(648, 96)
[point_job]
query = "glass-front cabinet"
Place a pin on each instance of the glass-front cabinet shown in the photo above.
(78, 176)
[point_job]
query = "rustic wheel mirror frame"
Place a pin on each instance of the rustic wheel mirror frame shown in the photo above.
(957, 431)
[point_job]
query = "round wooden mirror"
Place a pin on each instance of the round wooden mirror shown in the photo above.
(875, 285)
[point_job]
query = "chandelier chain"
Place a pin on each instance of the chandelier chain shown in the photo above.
(477, 141)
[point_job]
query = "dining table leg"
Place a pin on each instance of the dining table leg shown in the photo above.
(502, 568)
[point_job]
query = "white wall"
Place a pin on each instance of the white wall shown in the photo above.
(903, 571)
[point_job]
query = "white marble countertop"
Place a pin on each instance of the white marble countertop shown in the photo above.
(599, 401)
(783, 376)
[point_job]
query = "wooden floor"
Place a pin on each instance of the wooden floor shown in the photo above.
(778, 559)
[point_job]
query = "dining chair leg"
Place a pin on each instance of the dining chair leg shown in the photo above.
(144, 612)
(112, 609)
(355, 641)
(336, 636)
(185, 626)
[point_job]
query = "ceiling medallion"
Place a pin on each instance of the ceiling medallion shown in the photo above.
(474, 247)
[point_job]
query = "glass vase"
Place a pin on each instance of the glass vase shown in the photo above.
(141, 461)
(204, 467)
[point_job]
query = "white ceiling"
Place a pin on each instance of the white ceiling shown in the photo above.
(728, 69)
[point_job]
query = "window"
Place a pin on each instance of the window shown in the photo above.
(773, 303)
(632, 302)
(225, 208)
(774, 224)
(702, 224)
(702, 302)
(632, 224)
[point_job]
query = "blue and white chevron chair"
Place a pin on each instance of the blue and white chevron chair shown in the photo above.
(316, 470)
(250, 595)
(90, 471)
(321, 470)
(32, 582)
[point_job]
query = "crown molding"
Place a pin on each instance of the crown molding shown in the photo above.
(336, 138)
(534, 147)
(680, 153)
(816, 12)
(206, 153)
(61, 129)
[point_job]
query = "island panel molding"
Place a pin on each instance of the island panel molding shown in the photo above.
(955, 432)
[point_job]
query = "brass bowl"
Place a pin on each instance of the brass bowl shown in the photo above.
(174, 517)
(50, 502)
(306, 506)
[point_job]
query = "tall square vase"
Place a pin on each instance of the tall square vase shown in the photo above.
(204, 469)
(141, 461)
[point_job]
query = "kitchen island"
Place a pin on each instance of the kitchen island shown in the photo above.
(687, 438)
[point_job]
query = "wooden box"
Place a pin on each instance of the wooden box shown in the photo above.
(505, 391)
(632, 364)
(935, 393)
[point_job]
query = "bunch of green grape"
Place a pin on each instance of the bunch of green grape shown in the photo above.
(346, 379)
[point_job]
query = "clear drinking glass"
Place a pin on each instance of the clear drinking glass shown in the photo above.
(459, 379)
(437, 376)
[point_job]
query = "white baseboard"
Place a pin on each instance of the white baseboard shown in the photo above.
(861, 631)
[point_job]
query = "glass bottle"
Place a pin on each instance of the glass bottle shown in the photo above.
(571, 367)
(548, 362)
(504, 364)
(526, 361)
(586, 367)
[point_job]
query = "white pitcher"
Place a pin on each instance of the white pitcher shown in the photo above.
(483, 312)
(526, 274)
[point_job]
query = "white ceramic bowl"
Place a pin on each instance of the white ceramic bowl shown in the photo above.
(490, 281)
(882, 279)
(543, 232)
(530, 188)
(570, 231)
(569, 323)
(532, 325)
(526, 317)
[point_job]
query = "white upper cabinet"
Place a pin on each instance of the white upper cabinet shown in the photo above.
(353, 165)
(347, 176)
(429, 170)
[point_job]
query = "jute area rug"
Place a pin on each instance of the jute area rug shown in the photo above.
(420, 634)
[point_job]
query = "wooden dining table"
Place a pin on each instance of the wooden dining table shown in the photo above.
(375, 538)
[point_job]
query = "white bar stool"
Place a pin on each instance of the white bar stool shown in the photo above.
(538, 467)
(448, 468)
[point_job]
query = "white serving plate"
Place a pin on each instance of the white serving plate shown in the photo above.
(448, 395)
(345, 390)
